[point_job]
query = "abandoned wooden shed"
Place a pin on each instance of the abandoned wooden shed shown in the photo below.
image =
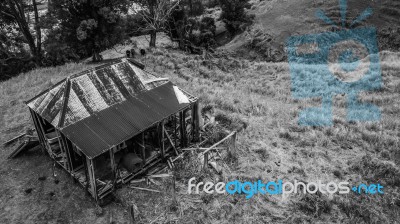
(108, 125)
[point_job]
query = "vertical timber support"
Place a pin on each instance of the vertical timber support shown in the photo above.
(46, 144)
(69, 150)
(63, 149)
(182, 125)
(143, 149)
(175, 134)
(86, 167)
(92, 178)
(38, 130)
(113, 165)
(205, 166)
(234, 141)
(162, 139)
(196, 121)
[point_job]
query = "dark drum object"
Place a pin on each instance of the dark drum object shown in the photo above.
(142, 52)
(131, 162)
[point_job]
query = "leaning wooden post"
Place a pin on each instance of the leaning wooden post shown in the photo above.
(175, 135)
(183, 128)
(196, 121)
(143, 150)
(85, 165)
(92, 177)
(162, 140)
(113, 166)
(38, 130)
(132, 214)
(205, 166)
(234, 142)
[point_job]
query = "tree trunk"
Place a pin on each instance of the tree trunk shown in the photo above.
(38, 53)
(153, 37)
(190, 7)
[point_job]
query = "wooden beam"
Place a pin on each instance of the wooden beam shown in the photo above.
(216, 144)
(92, 178)
(170, 141)
(162, 139)
(63, 149)
(143, 149)
(182, 128)
(38, 130)
(113, 165)
(85, 164)
(64, 104)
(46, 143)
(196, 121)
(205, 166)
(175, 126)
(69, 150)
(145, 189)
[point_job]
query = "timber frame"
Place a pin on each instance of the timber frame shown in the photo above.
(101, 175)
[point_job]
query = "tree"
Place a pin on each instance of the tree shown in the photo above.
(234, 15)
(155, 14)
(15, 13)
(87, 26)
(191, 33)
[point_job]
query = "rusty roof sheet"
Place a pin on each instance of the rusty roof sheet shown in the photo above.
(101, 131)
(81, 95)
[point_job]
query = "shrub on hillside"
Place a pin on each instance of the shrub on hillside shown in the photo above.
(234, 15)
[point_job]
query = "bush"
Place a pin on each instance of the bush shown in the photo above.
(234, 15)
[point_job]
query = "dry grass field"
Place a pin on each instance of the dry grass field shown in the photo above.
(272, 147)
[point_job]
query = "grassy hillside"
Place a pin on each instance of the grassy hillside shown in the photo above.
(272, 147)
(276, 20)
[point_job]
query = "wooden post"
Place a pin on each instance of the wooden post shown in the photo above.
(162, 140)
(197, 122)
(68, 149)
(92, 177)
(113, 166)
(192, 111)
(38, 130)
(61, 143)
(182, 128)
(47, 145)
(132, 214)
(143, 150)
(85, 165)
(205, 161)
(175, 126)
(234, 141)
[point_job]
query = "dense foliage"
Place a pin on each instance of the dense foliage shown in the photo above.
(234, 15)
(84, 27)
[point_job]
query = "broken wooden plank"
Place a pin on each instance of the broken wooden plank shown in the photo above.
(145, 189)
(26, 145)
(170, 141)
(216, 144)
(159, 175)
(191, 149)
(155, 80)
(14, 139)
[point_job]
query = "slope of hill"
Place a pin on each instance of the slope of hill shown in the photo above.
(272, 147)
(279, 19)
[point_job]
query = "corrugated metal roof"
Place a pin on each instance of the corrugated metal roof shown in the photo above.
(107, 128)
(102, 107)
(91, 91)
